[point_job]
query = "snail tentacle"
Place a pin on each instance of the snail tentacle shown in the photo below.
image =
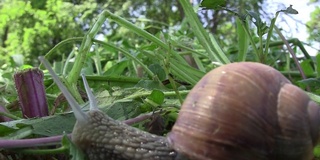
(92, 99)
(78, 113)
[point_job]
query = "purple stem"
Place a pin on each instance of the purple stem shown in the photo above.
(4, 118)
(138, 119)
(22, 143)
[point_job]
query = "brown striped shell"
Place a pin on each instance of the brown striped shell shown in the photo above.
(246, 111)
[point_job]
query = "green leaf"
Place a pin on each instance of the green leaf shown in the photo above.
(213, 4)
(318, 65)
(316, 151)
(23, 67)
(145, 108)
(19, 134)
(7, 129)
(314, 97)
(262, 27)
(243, 40)
(290, 10)
(58, 67)
(74, 151)
(148, 84)
(117, 69)
(123, 110)
(45, 126)
(307, 68)
(210, 44)
(312, 82)
(157, 97)
(158, 70)
(18, 59)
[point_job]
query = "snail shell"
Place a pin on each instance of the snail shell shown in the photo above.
(246, 111)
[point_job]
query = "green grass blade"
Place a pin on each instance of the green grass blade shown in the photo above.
(123, 22)
(211, 46)
(243, 40)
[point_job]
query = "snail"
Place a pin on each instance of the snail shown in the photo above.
(240, 111)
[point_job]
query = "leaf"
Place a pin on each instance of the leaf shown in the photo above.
(316, 151)
(58, 67)
(148, 84)
(123, 110)
(318, 65)
(18, 59)
(290, 10)
(5, 129)
(312, 82)
(74, 151)
(213, 4)
(306, 67)
(158, 70)
(26, 67)
(46, 126)
(209, 43)
(117, 69)
(262, 27)
(243, 39)
(53, 126)
(192, 76)
(314, 97)
(146, 107)
(19, 134)
(156, 96)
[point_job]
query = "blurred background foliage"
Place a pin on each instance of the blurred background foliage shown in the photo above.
(127, 67)
(313, 26)
(31, 28)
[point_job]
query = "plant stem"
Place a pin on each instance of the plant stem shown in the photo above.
(35, 142)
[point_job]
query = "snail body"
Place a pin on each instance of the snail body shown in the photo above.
(236, 111)
(102, 137)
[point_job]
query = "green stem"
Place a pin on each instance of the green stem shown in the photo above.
(210, 44)
(9, 115)
(113, 79)
(273, 21)
(149, 72)
(61, 149)
(260, 52)
(67, 61)
(172, 82)
(60, 44)
(84, 49)
(169, 93)
(251, 41)
(97, 62)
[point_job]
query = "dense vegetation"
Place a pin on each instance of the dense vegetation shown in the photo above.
(138, 56)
